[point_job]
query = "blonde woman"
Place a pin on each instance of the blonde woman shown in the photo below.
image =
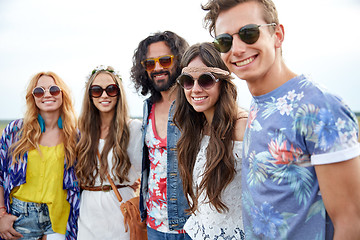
(110, 143)
(38, 191)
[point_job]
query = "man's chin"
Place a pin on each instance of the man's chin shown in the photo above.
(162, 88)
(164, 85)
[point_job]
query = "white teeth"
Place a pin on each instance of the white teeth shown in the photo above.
(159, 76)
(245, 62)
(199, 99)
(48, 101)
(105, 102)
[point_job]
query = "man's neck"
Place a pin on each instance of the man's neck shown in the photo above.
(274, 78)
(167, 97)
(161, 112)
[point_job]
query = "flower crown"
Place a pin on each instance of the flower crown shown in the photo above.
(107, 69)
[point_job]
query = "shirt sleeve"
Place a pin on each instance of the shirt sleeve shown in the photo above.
(332, 135)
(134, 148)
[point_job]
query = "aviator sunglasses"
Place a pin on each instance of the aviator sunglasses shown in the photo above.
(205, 81)
(111, 90)
(248, 34)
(165, 61)
(40, 91)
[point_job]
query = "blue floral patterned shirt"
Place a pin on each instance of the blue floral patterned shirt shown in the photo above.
(291, 129)
(12, 175)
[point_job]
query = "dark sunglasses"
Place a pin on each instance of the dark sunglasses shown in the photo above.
(40, 91)
(248, 34)
(205, 81)
(111, 90)
(165, 61)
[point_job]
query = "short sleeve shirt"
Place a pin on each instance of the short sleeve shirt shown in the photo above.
(291, 129)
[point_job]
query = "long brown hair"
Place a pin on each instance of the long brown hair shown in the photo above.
(117, 138)
(220, 163)
(30, 133)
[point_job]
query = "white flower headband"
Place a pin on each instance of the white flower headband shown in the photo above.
(105, 68)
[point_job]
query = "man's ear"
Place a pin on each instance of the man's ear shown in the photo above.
(279, 35)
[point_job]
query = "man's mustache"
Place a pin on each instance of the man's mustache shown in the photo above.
(153, 74)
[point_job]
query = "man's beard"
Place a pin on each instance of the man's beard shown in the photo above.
(165, 85)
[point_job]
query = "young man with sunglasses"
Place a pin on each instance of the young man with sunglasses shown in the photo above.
(162, 201)
(301, 167)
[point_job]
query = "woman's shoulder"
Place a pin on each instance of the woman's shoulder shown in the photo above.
(14, 126)
(134, 122)
(240, 124)
(135, 125)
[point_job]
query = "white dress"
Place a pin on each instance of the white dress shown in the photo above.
(209, 223)
(100, 215)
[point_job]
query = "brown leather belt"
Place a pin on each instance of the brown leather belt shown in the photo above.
(105, 188)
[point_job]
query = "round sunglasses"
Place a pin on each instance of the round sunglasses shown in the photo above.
(111, 90)
(249, 34)
(40, 91)
(165, 61)
(205, 81)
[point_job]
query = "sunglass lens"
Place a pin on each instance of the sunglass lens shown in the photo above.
(54, 90)
(112, 90)
(186, 81)
(38, 92)
(165, 61)
(206, 81)
(149, 64)
(95, 91)
(249, 33)
(223, 42)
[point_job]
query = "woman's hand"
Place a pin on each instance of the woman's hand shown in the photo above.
(6, 227)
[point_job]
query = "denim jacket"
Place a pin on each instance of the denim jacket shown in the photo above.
(176, 200)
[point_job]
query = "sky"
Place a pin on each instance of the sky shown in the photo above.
(72, 37)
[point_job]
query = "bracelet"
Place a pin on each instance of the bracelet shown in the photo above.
(3, 214)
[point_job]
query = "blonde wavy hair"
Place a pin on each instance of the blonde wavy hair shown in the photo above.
(117, 138)
(29, 135)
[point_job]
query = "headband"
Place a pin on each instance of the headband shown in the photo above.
(107, 69)
(205, 69)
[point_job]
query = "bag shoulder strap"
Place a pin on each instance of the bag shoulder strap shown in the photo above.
(116, 191)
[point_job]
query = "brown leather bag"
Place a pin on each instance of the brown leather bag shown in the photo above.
(131, 212)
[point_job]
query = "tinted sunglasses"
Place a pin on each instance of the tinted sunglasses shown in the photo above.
(165, 61)
(248, 34)
(111, 90)
(40, 91)
(205, 81)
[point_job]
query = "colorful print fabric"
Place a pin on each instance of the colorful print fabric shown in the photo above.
(156, 204)
(289, 130)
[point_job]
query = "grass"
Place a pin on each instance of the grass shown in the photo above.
(3, 124)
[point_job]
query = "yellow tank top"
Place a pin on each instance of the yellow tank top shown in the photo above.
(44, 184)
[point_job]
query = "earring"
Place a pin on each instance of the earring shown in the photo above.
(41, 123)
(60, 124)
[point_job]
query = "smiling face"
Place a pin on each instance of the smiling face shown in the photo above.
(104, 103)
(251, 62)
(162, 77)
(48, 103)
(200, 99)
